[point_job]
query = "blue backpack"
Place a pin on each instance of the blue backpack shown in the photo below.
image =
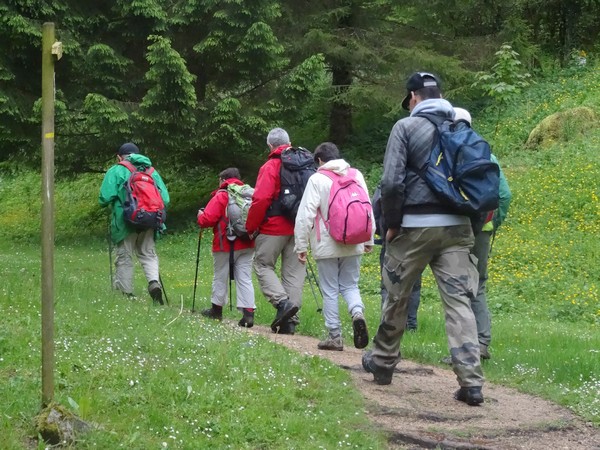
(460, 170)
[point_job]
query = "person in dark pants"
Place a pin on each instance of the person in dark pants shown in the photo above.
(415, 297)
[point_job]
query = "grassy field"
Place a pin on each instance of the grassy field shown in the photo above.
(149, 377)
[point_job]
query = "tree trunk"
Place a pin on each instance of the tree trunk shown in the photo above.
(340, 116)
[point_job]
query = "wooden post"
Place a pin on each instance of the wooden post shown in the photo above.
(48, 212)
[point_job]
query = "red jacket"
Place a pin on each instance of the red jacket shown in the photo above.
(214, 216)
(266, 190)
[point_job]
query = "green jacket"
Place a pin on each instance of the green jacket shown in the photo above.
(505, 199)
(112, 193)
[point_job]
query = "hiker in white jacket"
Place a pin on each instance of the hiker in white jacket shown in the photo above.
(338, 264)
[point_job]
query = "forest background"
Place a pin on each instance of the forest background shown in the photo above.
(198, 84)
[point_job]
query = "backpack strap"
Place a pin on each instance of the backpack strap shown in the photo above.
(132, 168)
(437, 122)
(331, 175)
(222, 220)
(434, 118)
(128, 164)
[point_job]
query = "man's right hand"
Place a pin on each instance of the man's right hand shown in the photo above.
(391, 234)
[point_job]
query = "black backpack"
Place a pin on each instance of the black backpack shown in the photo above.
(297, 165)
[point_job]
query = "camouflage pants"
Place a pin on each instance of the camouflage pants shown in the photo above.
(446, 250)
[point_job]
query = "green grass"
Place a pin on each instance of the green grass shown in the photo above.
(145, 376)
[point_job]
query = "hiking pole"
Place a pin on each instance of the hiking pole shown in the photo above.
(196, 276)
(162, 285)
(312, 273)
(231, 270)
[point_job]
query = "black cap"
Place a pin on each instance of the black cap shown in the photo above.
(127, 149)
(419, 80)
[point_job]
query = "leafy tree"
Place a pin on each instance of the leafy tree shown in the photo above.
(505, 80)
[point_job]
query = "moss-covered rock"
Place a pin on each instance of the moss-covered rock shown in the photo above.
(562, 126)
(56, 425)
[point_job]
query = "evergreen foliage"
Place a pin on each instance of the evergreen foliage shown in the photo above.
(201, 81)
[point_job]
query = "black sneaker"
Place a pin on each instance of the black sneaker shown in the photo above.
(380, 375)
(470, 395)
(155, 291)
(285, 310)
(361, 335)
(213, 313)
(247, 319)
(287, 328)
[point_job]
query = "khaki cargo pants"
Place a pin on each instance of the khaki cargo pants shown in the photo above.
(446, 250)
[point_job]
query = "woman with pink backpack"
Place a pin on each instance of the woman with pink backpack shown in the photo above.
(335, 218)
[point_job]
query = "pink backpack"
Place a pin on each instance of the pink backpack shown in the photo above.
(350, 218)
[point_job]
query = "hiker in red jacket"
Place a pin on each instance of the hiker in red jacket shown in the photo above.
(214, 216)
(275, 238)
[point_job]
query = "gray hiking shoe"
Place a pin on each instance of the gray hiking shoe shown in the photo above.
(484, 352)
(331, 343)
(155, 291)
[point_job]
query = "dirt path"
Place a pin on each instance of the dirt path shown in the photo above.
(418, 411)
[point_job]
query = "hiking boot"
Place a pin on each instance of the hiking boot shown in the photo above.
(247, 319)
(285, 310)
(155, 291)
(287, 328)
(483, 352)
(446, 360)
(331, 343)
(361, 335)
(215, 312)
(381, 375)
(472, 396)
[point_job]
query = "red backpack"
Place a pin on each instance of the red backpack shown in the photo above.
(350, 217)
(144, 207)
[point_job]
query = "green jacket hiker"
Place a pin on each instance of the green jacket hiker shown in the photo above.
(112, 193)
(128, 239)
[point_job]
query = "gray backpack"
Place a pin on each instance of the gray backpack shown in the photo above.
(238, 204)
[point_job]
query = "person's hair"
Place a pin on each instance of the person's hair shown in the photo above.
(429, 92)
(326, 152)
(230, 172)
(277, 137)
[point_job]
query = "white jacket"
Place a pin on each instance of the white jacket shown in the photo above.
(316, 196)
